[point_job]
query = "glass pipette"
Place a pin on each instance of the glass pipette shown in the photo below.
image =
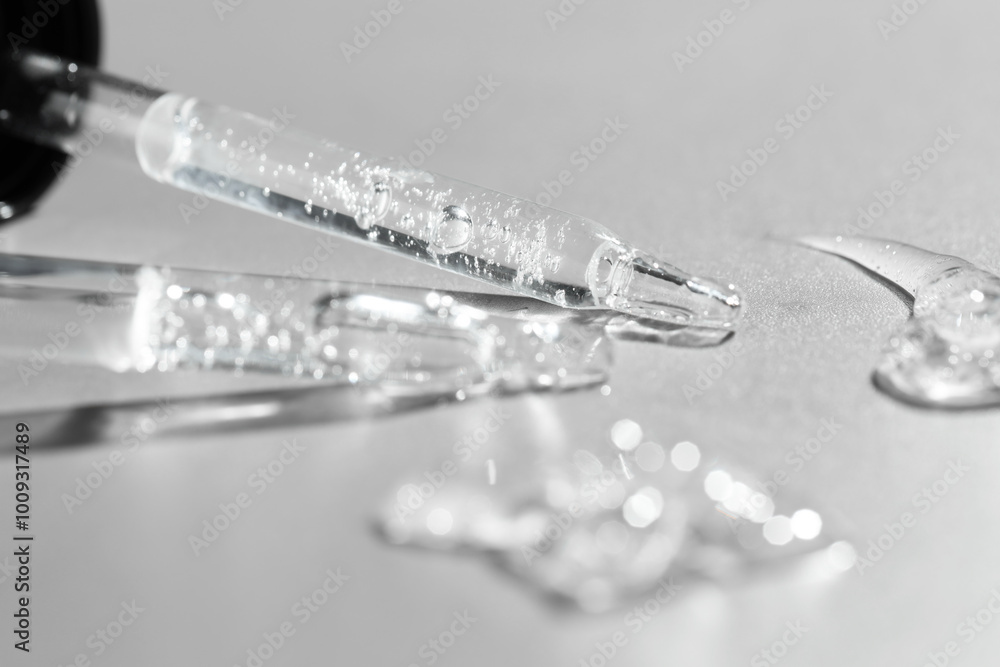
(242, 159)
(397, 340)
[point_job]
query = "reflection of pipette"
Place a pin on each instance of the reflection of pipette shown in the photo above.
(241, 159)
(198, 328)
(400, 340)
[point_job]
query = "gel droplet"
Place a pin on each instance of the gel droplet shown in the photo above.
(591, 524)
(948, 353)
(621, 538)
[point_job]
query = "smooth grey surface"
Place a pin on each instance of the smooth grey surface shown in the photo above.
(813, 329)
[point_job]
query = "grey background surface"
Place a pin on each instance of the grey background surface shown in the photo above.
(813, 329)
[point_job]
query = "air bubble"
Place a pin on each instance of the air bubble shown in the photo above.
(452, 232)
(376, 205)
(492, 230)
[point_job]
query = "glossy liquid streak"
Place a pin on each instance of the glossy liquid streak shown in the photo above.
(947, 354)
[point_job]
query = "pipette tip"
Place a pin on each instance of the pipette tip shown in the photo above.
(635, 283)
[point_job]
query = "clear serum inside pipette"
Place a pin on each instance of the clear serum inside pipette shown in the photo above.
(548, 255)
(507, 242)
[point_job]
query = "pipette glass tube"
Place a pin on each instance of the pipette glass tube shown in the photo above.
(402, 340)
(269, 167)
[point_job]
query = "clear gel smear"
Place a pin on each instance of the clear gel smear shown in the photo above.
(597, 524)
(948, 353)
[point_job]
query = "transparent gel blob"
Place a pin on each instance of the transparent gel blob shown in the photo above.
(948, 353)
(598, 524)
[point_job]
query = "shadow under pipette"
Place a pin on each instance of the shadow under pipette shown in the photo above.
(137, 421)
(124, 422)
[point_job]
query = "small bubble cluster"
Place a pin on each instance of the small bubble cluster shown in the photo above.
(264, 165)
